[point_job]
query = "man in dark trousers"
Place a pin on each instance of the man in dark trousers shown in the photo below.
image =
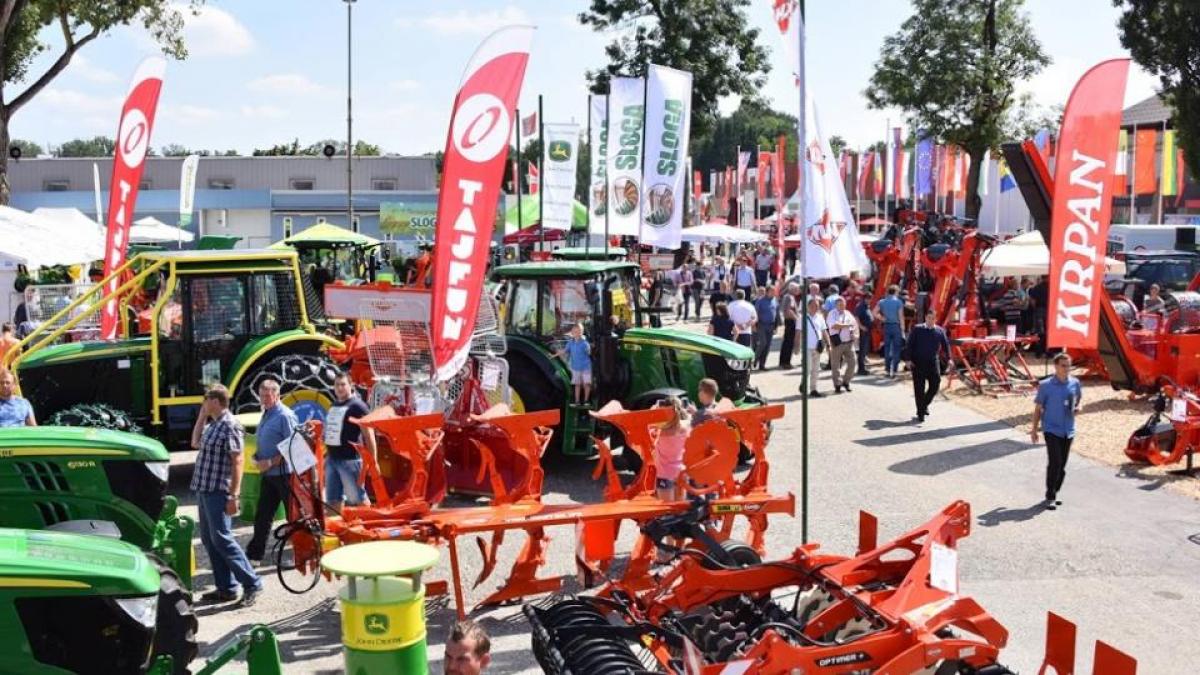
(1054, 409)
(925, 342)
(862, 312)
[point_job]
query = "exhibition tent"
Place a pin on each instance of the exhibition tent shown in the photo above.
(725, 234)
(327, 233)
(151, 230)
(1027, 255)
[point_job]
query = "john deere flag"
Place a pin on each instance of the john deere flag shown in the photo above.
(626, 122)
(668, 125)
(598, 191)
(559, 152)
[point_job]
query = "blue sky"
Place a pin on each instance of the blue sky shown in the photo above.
(266, 71)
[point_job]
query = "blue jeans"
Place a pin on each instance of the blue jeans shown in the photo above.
(230, 566)
(892, 338)
(341, 481)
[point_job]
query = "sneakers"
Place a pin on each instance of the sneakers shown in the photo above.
(846, 386)
(816, 394)
(249, 598)
(837, 388)
(217, 597)
(1051, 505)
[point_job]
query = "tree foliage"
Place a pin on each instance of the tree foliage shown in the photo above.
(1164, 38)
(175, 150)
(97, 146)
(712, 39)
(361, 148)
(29, 149)
(79, 22)
(753, 124)
(952, 68)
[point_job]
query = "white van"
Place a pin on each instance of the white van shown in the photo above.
(1131, 238)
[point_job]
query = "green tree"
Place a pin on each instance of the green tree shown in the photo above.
(1026, 118)
(1164, 38)
(177, 150)
(361, 148)
(29, 149)
(753, 124)
(79, 22)
(282, 149)
(952, 68)
(837, 144)
(710, 38)
(97, 146)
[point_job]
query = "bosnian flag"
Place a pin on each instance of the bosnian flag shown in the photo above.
(476, 150)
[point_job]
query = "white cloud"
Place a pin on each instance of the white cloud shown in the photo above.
(214, 32)
(185, 113)
(72, 102)
(89, 71)
(403, 22)
(264, 112)
(406, 85)
(286, 83)
(464, 22)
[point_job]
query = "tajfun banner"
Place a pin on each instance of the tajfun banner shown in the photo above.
(1083, 181)
(560, 151)
(598, 191)
(668, 126)
(476, 148)
(626, 122)
(129, 155)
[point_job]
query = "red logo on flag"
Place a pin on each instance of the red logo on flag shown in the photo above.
(825, 233)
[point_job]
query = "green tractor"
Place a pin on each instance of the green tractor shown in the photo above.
(73, 603)
(635, 365)
(219, 316)
(95, 480)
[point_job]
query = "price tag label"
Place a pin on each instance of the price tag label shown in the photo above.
(1010, 331)
(943, 568)
(1178, 409)
(489, 376)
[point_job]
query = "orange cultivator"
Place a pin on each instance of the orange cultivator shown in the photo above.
(407, 512)
(893, 609)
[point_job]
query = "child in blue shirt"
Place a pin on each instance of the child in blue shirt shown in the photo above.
(579, 361)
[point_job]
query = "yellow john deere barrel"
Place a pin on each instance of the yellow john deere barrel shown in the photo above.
(383, 605)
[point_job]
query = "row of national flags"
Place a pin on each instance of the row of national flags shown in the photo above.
(1151, 164)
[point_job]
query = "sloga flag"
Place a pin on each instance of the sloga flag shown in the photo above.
(129, 156)
(1082, 206)
(476, 150)
(668, 129)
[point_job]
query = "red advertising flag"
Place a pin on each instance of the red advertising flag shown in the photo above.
(777, 171)
(764, 167)
(1144, 180)
(728, 183)
(532, 178)
(697, 185)
(132, 142)
(529, 125)
(476, 149)
(1180, 176)
(1087, 159)
(864, 172)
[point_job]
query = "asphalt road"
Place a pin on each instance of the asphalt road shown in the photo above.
(1120, 558)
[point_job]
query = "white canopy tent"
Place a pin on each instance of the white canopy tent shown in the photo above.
(36, 240)
(863, 237)
(1028, 255)
(151, 230)
(720, 233)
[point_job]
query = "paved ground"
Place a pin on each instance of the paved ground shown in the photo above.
(1120, 558)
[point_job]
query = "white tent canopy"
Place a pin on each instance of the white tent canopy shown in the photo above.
(725, 234)
(863, 237)
(34, 241)
(151, 230)
(1028, 255)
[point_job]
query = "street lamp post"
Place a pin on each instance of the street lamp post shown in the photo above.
(349, 120)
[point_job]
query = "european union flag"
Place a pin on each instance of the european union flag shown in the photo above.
(925, 167)
(1007, 182)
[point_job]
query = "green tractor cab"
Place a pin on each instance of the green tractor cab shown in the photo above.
(630, 363)
(72, 603)
(57, 476)
(229, 317)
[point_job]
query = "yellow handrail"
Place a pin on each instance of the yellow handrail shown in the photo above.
(33, 342)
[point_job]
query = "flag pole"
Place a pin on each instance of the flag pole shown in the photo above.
(587, 239)
(737, 183)
(804, 364)
(1133, 176)
(541, 172)
(517, 180)
(607, 200)
(1162, 174)
(642, 175)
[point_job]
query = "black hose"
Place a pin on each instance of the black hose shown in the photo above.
(313, 526)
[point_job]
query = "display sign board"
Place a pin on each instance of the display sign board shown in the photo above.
(408, 219)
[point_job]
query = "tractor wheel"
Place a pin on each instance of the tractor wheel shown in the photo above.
(305, 385)
(176, 624)
(743, 554)
(96, 416)
(531, 392)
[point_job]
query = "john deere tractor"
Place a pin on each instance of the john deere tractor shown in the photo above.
(229, 317)
(635, 365)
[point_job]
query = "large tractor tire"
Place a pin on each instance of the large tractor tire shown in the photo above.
(175, 632)
(305, 385)
(531, 391)
(96, 416)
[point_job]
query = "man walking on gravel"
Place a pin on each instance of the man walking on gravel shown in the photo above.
(925, 344)
(1054, 409)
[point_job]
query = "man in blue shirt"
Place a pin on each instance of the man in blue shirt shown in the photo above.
(890, 311)
(767, 309)
(1054, 408)
(14, 410)
(276, 426)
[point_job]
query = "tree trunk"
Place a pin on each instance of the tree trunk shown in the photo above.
(974, 201)
(4, 143)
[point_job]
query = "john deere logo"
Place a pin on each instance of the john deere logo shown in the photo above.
(376, 624)
(560, 151)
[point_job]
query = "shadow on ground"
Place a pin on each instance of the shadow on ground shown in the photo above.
(920, 436)
(937, 463)
(1003, 514)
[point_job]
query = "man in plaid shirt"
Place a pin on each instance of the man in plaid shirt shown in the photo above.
(216, 480)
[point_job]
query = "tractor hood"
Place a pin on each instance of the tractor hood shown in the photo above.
(70, 563)
(82, 351)
(81, 442)
(688, 340)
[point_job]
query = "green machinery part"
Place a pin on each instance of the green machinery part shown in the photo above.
(259, 645)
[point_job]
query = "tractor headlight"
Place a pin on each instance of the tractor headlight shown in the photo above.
(159, 469)
(143, 609)
(738, 364)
